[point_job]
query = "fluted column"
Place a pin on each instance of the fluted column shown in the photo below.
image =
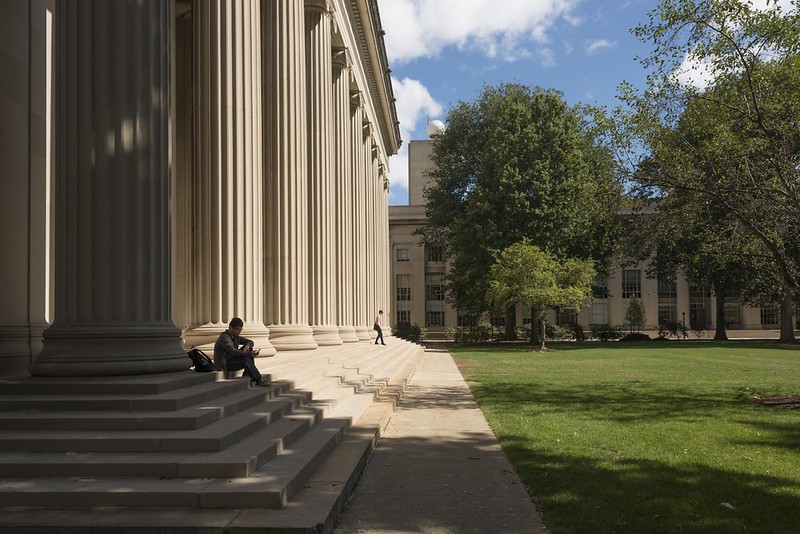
(286, 175)
(386, 255)
(360, 312)
(228, 201)
(370, 228)
(321, 264)
(343, 201)
(112, 193)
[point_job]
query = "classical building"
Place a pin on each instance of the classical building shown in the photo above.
(419, 295)
(170, 164)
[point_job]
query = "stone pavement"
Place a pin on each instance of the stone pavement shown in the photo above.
(439, 469)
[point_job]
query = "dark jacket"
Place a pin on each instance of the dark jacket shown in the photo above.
(229, 345)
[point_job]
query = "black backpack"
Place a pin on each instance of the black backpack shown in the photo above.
(200, 360)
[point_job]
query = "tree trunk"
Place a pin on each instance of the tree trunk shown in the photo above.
(544, 333)
(720, 334)
(534, 326)
(787, 320)
(511, 323)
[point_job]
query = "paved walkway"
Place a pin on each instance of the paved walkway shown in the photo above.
(439, 469)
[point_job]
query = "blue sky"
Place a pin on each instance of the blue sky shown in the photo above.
(445, 51)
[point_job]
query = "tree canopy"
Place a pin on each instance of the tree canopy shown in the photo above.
(525, 274)
(517, 163)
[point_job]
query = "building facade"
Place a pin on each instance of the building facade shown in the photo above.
(171, 164)
(419, 296)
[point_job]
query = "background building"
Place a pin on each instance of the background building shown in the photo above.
(419, 297)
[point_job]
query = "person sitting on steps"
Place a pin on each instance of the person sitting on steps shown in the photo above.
(233, 352)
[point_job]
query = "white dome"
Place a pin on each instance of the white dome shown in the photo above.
(435, 129)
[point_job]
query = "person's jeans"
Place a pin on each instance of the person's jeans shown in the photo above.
(234, 363)
(380, 335)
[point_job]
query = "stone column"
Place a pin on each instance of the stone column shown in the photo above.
(228, 202)
(370, 228)
(343, 200)
(25, 204)
(321, 264)
(112, 193)
(360, 312)
(386, 254)
(286, 175)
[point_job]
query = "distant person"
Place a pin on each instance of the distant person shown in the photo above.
(377, 327)
(233, 352)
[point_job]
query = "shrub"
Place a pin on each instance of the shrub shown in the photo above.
(635, 336)
(672, 328)
(635, 316)
(605, 332)
(410, 332)
(553, 331)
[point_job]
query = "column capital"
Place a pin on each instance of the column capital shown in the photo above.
(341, 58)
(323, 6)
(356, 100)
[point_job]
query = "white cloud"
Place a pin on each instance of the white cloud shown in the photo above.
(414, 106)
(694, 72)
(496, 28)
(595, 45)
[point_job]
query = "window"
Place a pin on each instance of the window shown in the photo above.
(699, 306)
(600, 287)
(598, 312)
(403, 287)
(434, 287)
(402, 254)
(433, 254)
(566, 318)
(403, 316)
(631, 283)
(667, 313)
(733, 313)
(465, 320)
(434, 318)
(667, 302)
(769, 313)
(667, 289)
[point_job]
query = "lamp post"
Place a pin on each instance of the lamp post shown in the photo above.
(683, 314)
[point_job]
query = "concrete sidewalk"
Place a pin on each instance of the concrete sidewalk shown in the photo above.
(438, 467)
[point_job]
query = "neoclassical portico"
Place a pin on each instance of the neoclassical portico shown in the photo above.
(210, 159)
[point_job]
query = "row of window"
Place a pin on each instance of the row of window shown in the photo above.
(699, 302)
(432, 254)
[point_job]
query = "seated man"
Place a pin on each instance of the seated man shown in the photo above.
(233, 352)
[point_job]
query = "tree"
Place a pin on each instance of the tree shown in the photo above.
(525, 274)
(731, 142)
(635, 315)
(517, 163)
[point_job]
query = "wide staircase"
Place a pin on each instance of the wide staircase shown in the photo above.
(196, 452)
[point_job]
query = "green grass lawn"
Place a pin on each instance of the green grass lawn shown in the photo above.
(647, 437)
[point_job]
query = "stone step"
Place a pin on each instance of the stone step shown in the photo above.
(341, 398)
(110, 385)
(214, 437)
(168, 401)
(193, 417)
(239, 460)
(269, 487)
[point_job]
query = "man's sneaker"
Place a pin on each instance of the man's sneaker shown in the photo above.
(261, 383)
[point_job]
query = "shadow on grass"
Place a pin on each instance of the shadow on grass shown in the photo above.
(610, 401)
(580, 494)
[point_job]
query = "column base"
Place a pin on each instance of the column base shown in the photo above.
(292, 337)
(364, 332)
(348, 334)
(326, 335)
(110, 350)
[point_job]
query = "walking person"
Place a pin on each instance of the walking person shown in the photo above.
(377, 327)
(233, 352)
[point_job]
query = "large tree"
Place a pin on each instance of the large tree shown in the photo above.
(746, 161)
(517, 163)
